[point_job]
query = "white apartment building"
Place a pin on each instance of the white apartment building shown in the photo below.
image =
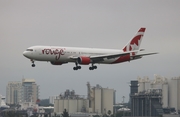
(25, 91)
(13, 92)
(30, 90)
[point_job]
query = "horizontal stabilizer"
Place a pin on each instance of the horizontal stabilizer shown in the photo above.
(140, 55)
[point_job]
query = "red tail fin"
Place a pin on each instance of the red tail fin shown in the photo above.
(135, 42)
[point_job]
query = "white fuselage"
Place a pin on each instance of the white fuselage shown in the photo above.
(64, 54)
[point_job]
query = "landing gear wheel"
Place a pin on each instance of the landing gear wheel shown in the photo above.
(74, 68)
(95, 67)
(91, 68)
(33, 65)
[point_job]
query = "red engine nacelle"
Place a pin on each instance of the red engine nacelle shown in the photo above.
(57, 63)
(84, 60)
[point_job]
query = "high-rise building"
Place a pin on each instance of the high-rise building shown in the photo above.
(133, 90)
(30, 90)
(133, 87)
(13, 92)
(25, 91)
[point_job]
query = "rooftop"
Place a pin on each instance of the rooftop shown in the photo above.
(27, 80)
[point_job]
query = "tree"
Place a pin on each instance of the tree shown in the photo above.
(109, 112)
(96, 116)
(65, 113)
(112, 115)
(105, 115)
(121, 113)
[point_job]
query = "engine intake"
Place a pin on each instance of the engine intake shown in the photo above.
(84, 60)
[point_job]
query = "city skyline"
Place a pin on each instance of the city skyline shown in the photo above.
(96, 24)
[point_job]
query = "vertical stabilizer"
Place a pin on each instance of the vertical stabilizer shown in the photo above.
(135, 42)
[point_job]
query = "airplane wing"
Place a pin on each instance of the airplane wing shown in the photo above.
(108, 56)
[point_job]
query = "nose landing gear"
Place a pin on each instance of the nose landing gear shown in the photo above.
(33, 65)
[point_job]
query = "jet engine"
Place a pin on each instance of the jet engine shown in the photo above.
(84, 60)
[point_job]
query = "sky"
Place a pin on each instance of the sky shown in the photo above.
(88, 23)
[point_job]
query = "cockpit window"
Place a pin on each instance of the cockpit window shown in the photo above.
(29, 50)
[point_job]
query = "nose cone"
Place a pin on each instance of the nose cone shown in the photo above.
(25, 53)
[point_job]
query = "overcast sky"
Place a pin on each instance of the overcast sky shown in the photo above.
(88, 23)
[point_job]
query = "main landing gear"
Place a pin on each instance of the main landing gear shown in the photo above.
(92, 67)
(33, 65)
(77, 67)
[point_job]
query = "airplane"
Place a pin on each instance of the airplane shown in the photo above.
(58, 55)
